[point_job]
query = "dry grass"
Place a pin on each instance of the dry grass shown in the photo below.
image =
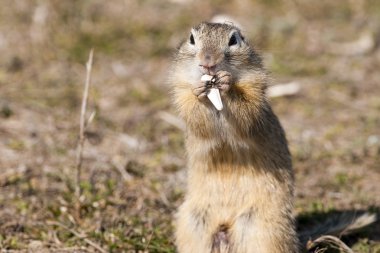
(133, 162)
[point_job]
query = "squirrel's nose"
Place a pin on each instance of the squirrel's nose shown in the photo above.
(207, 62)
(208, 67)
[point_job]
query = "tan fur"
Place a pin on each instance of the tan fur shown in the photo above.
(240, 180)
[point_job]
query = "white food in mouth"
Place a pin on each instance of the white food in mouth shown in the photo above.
(206, 78)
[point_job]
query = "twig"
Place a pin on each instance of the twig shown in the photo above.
(286, 89)
(82, 123)
(362, 45)
(148, 242)
(77, 234)
(331, 242)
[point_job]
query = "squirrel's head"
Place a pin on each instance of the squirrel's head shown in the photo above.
(211, 47)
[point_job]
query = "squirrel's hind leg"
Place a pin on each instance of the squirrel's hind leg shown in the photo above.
(192, 231)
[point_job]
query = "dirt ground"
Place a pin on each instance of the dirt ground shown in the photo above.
(134, 161)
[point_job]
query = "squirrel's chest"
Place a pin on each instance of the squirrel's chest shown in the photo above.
(218, 135)
(230, 191)
(224, 153)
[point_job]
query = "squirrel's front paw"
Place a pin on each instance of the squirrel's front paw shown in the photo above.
(200, 89)
(223, 81)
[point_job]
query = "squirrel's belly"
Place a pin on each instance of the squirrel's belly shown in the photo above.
(229, 191)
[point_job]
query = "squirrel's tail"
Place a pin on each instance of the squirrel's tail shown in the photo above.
(335, 227)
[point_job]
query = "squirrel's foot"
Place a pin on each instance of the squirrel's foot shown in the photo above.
(223, 81)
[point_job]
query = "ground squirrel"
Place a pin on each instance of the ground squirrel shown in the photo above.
(240, 179)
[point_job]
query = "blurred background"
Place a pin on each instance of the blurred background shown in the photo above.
(134, 160)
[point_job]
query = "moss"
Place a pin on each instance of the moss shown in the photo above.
(366, 246)
(16, 144)
(6, 111)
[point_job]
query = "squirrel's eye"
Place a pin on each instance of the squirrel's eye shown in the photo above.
(233, 40)
(192, 42)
